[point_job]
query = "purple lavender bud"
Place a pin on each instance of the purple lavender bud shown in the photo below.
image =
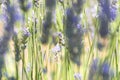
(105, 70)
(105, 6)
(103, 23)
(18, 14)
(26, 32)
(113, 13)
(106, 14)
(25, 35)
(46, 27)
(29, 5)
(108, 9)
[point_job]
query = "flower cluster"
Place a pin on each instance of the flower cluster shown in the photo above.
(8, 32)
(107, 13)
(74, 33)
(8, 28)
(100, 70)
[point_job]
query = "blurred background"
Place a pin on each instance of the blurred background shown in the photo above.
(59, 39)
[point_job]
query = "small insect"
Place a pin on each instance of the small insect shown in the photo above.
(58, 38)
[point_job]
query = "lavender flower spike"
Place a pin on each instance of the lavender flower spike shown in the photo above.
(105, 71)
(104, 17)
(74, 34)
(107, 13)
(9, 26)
(47, 24)
(103, 23)
(105, 7)
(100, 70)
(8, 32)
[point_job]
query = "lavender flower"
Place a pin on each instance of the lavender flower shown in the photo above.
(16, 46)
(46, 26)
(18, 16)
(109, 9)
(25, 32)
(104, 17)
(105, 7)
(104, 23)
(105, 71)
(106, 14)
(100, 70)
(73, 31)
(50, 5)
(113, 12)
(93, 69)
(25, 35)
(8, 32)
(29, 5)
(8, 29)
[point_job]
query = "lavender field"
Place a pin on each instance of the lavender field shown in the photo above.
(59, 39)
